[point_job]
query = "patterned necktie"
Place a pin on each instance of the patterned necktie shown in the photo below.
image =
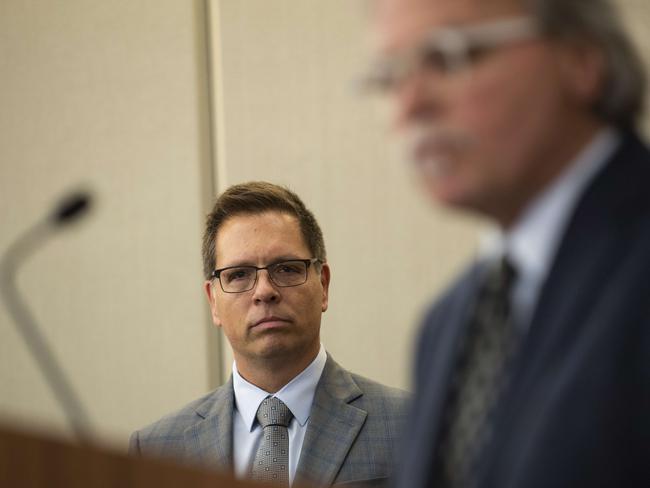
(272, 458)
(478, 380)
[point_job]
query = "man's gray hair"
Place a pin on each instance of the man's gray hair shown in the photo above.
(598, 22)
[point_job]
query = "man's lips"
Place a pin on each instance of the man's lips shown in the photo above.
(270, 322)
(435, 149)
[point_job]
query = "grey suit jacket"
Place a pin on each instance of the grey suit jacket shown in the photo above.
(353, 429)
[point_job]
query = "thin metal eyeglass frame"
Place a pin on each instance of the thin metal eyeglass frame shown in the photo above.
(216, 274)
(455, 44)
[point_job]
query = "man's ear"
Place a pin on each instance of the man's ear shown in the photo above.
(209, 288)
(583, 67)
(325, 282)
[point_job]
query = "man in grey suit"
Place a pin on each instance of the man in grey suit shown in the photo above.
(267, 283)
(533, 369)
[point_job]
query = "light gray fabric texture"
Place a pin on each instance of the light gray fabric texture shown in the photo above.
(352, 438)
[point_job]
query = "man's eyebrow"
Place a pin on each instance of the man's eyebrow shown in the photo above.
(286, 257)
(277, 259)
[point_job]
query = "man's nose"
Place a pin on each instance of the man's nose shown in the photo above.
(417, 98)
(265, 290)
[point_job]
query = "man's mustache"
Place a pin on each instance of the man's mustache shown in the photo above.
(430, 147)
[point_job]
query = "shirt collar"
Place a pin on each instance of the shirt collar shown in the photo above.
(532, 242)
(298, 394)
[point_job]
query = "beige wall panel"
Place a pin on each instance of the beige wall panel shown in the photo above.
(292, 116)
(109, 94)
(636, 15)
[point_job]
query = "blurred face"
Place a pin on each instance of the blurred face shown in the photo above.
(490, 135)
(268, 322)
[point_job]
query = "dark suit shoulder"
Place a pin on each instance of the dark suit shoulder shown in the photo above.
(452, 303)
(457, 294)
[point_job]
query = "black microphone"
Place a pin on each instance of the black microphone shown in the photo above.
(71, 208)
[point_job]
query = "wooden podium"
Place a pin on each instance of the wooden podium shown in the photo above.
(30, 460)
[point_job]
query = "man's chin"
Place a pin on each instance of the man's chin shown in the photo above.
(456, 199)
(282, 348)
(446, 191)
(276, 346)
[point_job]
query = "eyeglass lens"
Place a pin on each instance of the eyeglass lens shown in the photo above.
(243, 278)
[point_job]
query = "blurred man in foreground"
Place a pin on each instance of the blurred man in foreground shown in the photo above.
(533, 370)
(288, 412)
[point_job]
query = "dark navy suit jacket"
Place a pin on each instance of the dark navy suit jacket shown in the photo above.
(577, 411)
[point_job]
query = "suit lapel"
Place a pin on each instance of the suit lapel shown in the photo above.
(435, 372)
(451, 336)
(210, 440)
(333, 426)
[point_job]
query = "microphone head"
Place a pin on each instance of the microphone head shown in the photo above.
(71, 208)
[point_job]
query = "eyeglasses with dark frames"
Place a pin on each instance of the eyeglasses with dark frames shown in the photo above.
(238, 279)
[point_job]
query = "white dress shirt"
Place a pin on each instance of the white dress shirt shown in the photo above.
(298, 395)
(531, 244)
